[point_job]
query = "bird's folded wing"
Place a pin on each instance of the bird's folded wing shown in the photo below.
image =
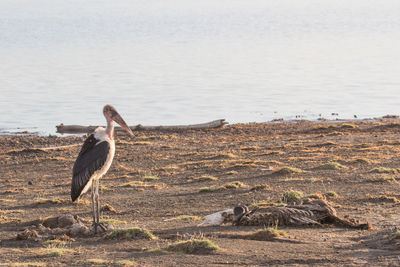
(92, 157)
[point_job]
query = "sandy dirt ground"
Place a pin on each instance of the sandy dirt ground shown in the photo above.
(166, 182)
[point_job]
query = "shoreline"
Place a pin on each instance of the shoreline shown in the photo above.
(26, 132)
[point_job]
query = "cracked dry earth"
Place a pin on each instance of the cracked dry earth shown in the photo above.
(165, 182)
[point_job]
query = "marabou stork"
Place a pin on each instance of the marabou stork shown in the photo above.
(94, 160)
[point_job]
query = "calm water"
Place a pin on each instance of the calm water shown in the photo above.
(180, 62)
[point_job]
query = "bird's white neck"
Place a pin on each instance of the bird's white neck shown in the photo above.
(110, 129)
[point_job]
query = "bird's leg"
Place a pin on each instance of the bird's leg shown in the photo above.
(93, 208)
(96, 196)
(98, 206)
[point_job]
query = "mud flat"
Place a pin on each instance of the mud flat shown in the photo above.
(161, 184)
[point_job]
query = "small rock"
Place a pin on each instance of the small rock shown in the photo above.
(58, 231)
(78, 229)
(66, 221)
(51, 222)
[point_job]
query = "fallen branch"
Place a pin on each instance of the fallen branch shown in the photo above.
(77, 129)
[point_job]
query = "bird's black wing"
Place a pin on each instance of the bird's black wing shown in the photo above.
(91, 158)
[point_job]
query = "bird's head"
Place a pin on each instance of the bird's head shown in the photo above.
(111, 114)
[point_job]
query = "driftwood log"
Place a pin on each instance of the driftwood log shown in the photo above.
(77, 129)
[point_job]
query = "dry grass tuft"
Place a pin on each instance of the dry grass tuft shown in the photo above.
(267, 234)
(362, 161)
(6, 200)
(348, 126)
(232, 185)
(142, 143)
(148, 178)
(250, 148)
(275, 152)
(25, 264)
(125, 263)
(158, 251)
(287, 171)
(140, 185)
(49, 201)
(383, 170)
(96, 262)
(109, 208)
(260, 187)
(395, 235)
(146, 138)
(112, 221)
(130, 233)
(265, 203)
(331, 194)
(333, 165)
(193, 246)
(53, 251)
(205, 178)
(383, 198)
(316, 196)
(384, 179)
(185, 218)
(127, 169)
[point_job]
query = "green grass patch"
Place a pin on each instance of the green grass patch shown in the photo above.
(193, 246)
(333, 165)
(292, 196)
(130, 233)
(55, 251)
(383, 170)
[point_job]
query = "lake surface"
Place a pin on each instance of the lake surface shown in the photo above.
(162, 62)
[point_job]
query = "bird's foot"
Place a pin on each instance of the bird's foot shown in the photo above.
(100, 225)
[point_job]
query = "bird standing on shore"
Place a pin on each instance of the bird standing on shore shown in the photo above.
(94, 160)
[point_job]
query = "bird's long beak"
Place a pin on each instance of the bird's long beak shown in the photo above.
(118, 119)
